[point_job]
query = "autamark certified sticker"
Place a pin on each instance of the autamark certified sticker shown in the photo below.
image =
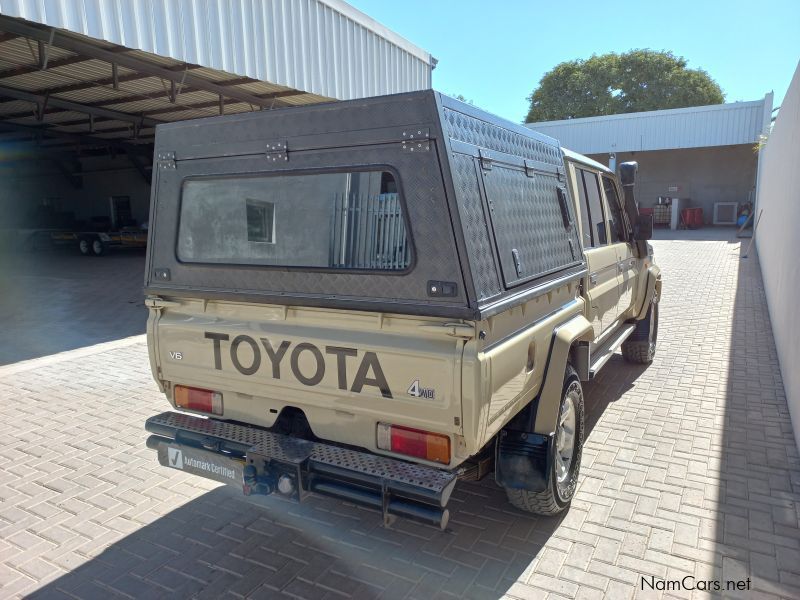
(202, 463)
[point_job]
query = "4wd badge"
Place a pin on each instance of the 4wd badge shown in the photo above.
(418, 391)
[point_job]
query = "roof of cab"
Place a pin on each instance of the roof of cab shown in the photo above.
(575, 157)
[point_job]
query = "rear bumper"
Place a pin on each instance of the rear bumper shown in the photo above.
(262, 462)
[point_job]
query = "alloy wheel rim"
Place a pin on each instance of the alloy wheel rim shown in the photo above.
(84, 246)
(97, 246)
(653, 328)
(565, 436)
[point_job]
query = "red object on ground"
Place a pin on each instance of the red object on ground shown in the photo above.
(645, 211)
(692, 217)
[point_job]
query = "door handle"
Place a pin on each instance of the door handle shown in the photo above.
(593, 279)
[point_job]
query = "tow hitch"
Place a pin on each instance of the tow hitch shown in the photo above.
(263, 462)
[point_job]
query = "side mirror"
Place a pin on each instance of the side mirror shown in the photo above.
(627, 173)
(643, 228)
(627, 177)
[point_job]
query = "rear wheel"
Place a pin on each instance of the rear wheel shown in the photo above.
(562, 478)
(640, 347)
(98, 247)
(85, 246)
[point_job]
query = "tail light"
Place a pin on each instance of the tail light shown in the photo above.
(206, 401)
(414, 442)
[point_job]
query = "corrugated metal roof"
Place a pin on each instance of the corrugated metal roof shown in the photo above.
(692, 127)
(84, 80)
(324, 47)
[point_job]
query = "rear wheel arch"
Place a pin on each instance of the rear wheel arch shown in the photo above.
(531, 449)
(566, 347)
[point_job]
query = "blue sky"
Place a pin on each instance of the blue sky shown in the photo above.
(494, 53)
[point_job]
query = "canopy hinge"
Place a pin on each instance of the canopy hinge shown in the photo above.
(416, 139)
(166, 160)
(278, 151)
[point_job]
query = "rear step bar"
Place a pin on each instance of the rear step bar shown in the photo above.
(606, 351)
(263, 462)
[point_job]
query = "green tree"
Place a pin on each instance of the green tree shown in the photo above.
(620, 83)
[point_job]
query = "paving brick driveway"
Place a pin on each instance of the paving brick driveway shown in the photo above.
(690, 468)
(59, 300)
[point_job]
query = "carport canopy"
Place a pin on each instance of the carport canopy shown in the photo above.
(66, 95)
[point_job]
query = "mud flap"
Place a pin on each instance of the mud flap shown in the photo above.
(523, 459)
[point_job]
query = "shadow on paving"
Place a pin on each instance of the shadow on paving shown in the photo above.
(225, 545)
(617, 377)
(722, 233)
(57, 300)
(756, 528)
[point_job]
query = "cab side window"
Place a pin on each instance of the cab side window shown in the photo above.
(592, 217)
(615, 222)
(583, 208)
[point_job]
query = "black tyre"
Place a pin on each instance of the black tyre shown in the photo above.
(640, 347)
(565, 464)
(85, 246)
(98, 247)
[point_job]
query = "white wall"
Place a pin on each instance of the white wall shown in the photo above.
(776, 240)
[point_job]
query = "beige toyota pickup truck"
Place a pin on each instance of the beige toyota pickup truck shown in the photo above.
(373, 299)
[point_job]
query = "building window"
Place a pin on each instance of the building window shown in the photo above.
(260, 221)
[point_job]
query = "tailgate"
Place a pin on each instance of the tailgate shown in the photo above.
(346, 370)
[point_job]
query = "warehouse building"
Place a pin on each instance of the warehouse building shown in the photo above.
(83, 84)
(705, 156)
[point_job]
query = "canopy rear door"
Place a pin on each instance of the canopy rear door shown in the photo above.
(364, 227)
